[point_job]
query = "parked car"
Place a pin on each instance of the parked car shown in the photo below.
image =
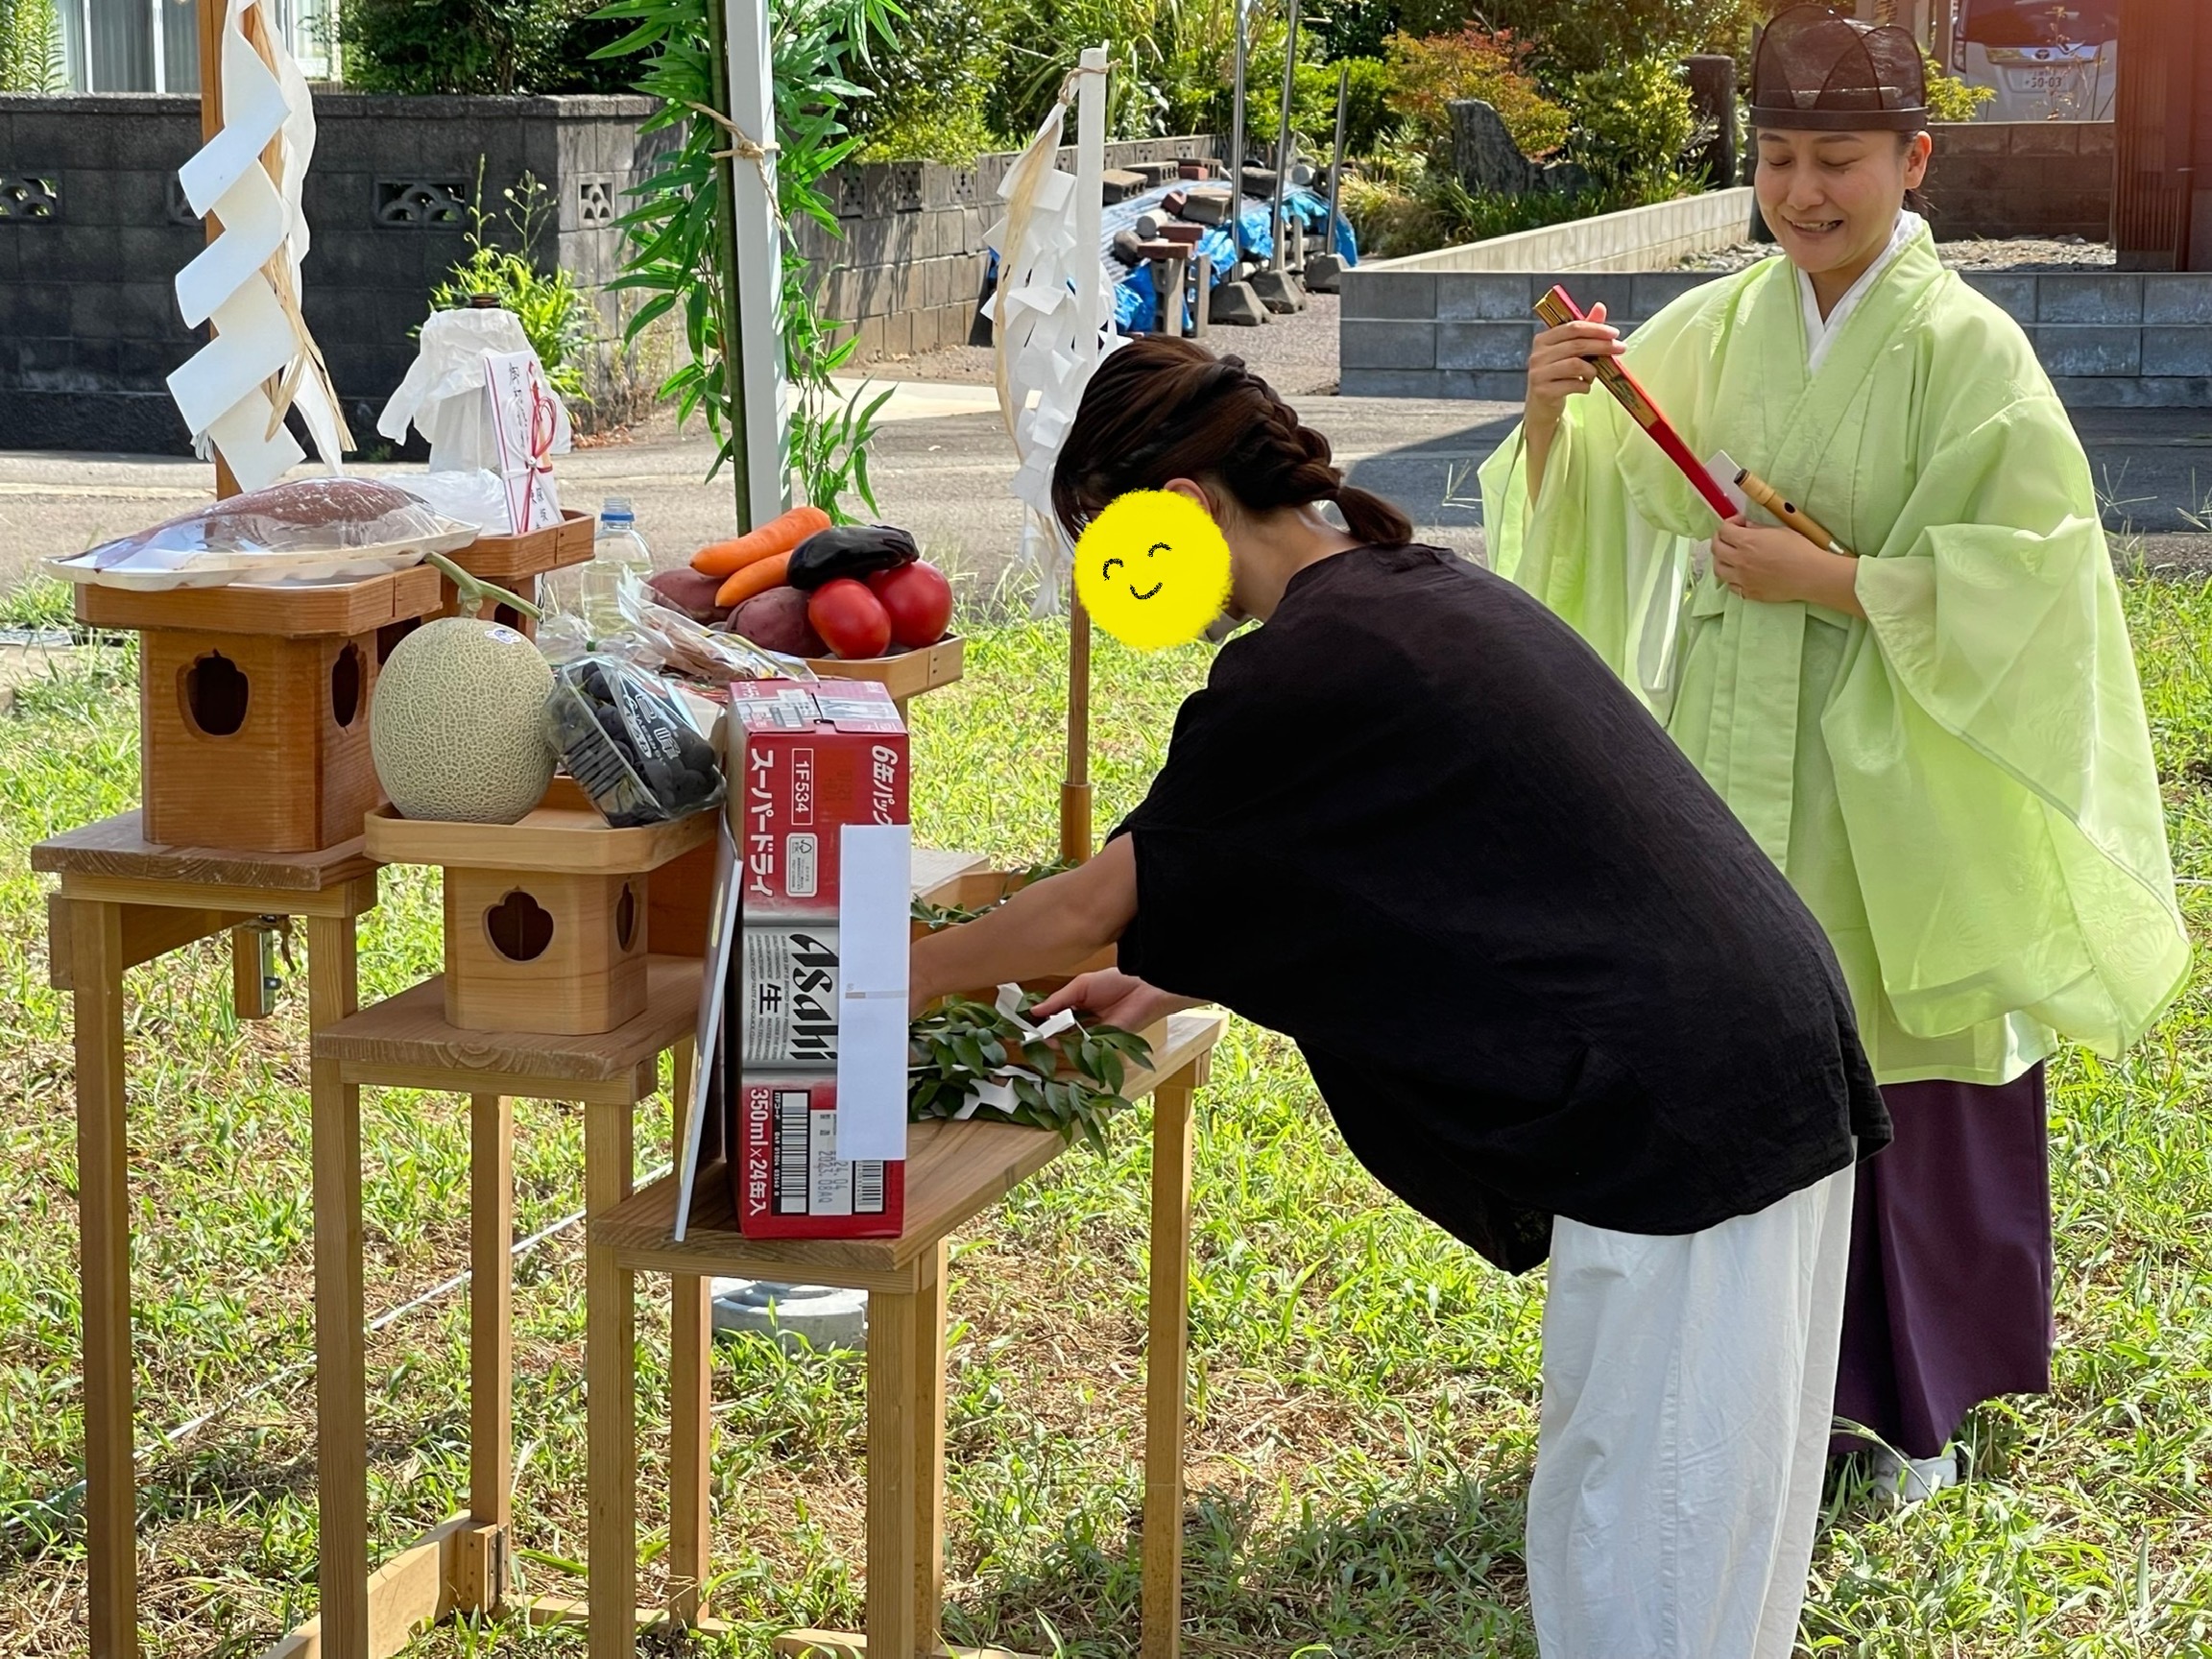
(2047, 59)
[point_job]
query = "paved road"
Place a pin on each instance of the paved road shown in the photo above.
(941, 468)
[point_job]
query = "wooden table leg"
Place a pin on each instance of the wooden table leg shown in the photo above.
(341, 1359)
(1167, 1363)
(481, 1553)
(690, 1409)
(104, 1243)
(929, 1389)
(903, 1494)
(611, 1388)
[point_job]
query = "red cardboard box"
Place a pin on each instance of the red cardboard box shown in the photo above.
(814, 756)
(790, 1181)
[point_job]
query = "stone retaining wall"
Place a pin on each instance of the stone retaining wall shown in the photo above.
(2022, 179)
(2106, 338)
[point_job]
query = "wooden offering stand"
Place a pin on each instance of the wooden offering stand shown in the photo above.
(548, 920)
(905, 676)
(125, 899)
(462, 1565)
(954, 1172)
(253, 706)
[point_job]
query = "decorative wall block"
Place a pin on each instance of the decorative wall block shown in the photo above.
(26, 200)
(595, 200)
(423, 202)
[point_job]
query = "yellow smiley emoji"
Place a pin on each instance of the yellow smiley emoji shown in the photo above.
(1153, 569)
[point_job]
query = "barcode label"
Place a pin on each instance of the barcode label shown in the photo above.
(868, 1188)
(793, 1126)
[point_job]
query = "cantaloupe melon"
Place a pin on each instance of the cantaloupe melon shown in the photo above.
(457, 726)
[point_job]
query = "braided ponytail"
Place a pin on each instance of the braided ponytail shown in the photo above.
(1161, 408)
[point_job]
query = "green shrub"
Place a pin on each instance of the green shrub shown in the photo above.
(1170, 57)
(1951, 99)
(930, 86)
(1633, 121)
(555, 314)
(1427, 74)
(1368, 113)
(1575, 36)
(476, 46)
(31, 47)
(1427, 207)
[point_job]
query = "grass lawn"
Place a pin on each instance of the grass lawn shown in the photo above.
(1365, 1389)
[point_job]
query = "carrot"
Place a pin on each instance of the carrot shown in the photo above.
(778, 535)
(757, 577)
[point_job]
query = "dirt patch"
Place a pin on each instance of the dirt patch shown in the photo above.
(2020, 254)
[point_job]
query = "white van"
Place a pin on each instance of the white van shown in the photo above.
(2047, 59)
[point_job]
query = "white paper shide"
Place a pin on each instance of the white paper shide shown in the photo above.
(235, 390)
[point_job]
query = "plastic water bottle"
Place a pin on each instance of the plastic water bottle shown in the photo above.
(589, 592)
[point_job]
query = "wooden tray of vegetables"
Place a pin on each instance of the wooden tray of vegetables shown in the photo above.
(854, 601)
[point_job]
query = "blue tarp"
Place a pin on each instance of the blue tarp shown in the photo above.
(1137, 300)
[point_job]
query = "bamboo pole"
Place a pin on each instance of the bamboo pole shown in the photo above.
(1090, 171)
(725, 273)
(210, 17)
(1284, 148)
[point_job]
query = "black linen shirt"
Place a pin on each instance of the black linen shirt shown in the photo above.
(1535, 964)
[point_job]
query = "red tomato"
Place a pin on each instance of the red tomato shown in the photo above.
(918, 599)
(851, 620)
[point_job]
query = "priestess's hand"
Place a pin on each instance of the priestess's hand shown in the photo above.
(1117, 998)
(1776, 565)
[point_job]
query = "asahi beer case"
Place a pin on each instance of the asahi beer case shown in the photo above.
(808, 760)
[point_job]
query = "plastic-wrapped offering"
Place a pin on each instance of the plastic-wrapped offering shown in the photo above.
(626, 739)
(309, 530)
(662, 638)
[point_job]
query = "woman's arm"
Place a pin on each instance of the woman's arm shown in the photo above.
(1046, 928)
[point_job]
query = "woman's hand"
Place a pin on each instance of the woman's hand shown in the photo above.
(1117, 998)
(1560, 366)
(1776, 565)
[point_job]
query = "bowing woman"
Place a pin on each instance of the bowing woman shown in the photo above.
(1555, 996)
(1940, 741)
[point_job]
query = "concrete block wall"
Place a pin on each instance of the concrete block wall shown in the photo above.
(905, 273)
(1647, 238)
(2106, 338)
(2022, 179)
(86, 281)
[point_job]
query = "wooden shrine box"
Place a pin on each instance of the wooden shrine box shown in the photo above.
(253, 706)
(547, 920)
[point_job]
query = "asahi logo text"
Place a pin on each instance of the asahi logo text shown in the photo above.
(813, 1026)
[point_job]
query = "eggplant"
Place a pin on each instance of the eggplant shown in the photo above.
(856, 550)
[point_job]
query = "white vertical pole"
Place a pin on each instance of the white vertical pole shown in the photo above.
(759, 344)
(160, 47)
(1090, 192)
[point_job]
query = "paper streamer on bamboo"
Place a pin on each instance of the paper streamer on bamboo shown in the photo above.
(1045, 347)
(235, 391)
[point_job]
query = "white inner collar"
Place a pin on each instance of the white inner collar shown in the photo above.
(1820, 332)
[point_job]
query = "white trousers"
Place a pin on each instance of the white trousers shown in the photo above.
(1687, 1387)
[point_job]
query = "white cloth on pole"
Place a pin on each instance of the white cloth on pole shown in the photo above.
(1689, 1384)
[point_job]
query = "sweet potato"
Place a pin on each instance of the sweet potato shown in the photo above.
(688, 592)
(777, 621)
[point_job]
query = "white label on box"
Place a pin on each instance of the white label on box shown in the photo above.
(811, 1178)
(801, 866)
(790, 980)
(875, 902)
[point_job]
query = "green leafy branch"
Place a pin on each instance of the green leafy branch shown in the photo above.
(1078, 1074)
(936, 916)
(678, 261)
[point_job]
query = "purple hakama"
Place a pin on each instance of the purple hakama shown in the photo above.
(1948, 1298)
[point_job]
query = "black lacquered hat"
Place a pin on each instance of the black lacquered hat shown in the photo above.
(1823, 72)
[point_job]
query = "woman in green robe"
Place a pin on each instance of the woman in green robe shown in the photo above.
(1940, 739)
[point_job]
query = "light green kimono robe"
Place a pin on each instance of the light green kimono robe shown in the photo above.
(1961, 786)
